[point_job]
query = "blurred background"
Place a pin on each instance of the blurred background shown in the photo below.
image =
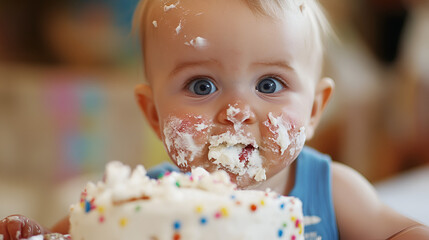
(68, 69)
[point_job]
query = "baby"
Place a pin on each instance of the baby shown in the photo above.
(235, 85)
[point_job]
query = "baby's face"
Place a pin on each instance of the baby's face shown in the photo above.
(232, 89)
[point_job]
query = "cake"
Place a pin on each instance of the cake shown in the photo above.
(198, 205)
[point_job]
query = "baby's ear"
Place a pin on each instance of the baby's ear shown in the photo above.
(144, 96)
(324, 89)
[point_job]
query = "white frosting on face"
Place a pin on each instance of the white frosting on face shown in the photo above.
(231, 114)
(299, 140)
(179, 27)
(171, 6)
(200, 126)
(155, 23)
(225, 150)
(181, 141)
(285, 135)
(260, 175)
(283, 139)
(197, 42)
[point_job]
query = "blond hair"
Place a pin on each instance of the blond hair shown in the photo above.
(309, 8)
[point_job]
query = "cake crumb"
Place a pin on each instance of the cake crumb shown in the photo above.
(197, 42)
(171, 6)
(179, 28)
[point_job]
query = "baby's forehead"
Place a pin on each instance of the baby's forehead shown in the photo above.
(163, 20)
(152, 13)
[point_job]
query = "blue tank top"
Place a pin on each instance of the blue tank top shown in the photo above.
(312, 186)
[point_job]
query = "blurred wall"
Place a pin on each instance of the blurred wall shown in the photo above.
(67, 75)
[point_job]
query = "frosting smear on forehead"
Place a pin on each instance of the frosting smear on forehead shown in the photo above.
(197, 42)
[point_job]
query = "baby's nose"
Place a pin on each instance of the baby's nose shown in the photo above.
(236, 114)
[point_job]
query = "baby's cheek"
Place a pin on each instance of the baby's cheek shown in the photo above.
(283, 138)
(185, 137)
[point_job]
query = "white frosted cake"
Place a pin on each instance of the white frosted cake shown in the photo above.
(130, 205)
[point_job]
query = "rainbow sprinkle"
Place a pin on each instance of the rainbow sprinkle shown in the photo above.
(176, 225)
(224, 212)
(123, 222)
(199, 209)
(87, 206)
(203, 221)
(100, 209)
(280, 233)
(253, 207)
(176, 236)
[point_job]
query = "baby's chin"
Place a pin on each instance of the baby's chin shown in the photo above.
(244, 181)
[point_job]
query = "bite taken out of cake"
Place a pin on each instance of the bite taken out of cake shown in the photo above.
(198, 205)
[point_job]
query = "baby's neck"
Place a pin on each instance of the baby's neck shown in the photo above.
(283, 182)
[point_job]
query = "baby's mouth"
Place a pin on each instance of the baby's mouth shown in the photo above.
(236, 154)
(245, 153)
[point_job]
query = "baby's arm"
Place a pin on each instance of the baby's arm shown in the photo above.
(62, 226)
(361, 215)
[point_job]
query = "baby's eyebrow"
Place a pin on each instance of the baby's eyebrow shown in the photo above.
(281, 64)
(189, 64)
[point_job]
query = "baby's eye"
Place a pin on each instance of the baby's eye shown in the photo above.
(202, 86)
(269, 85)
